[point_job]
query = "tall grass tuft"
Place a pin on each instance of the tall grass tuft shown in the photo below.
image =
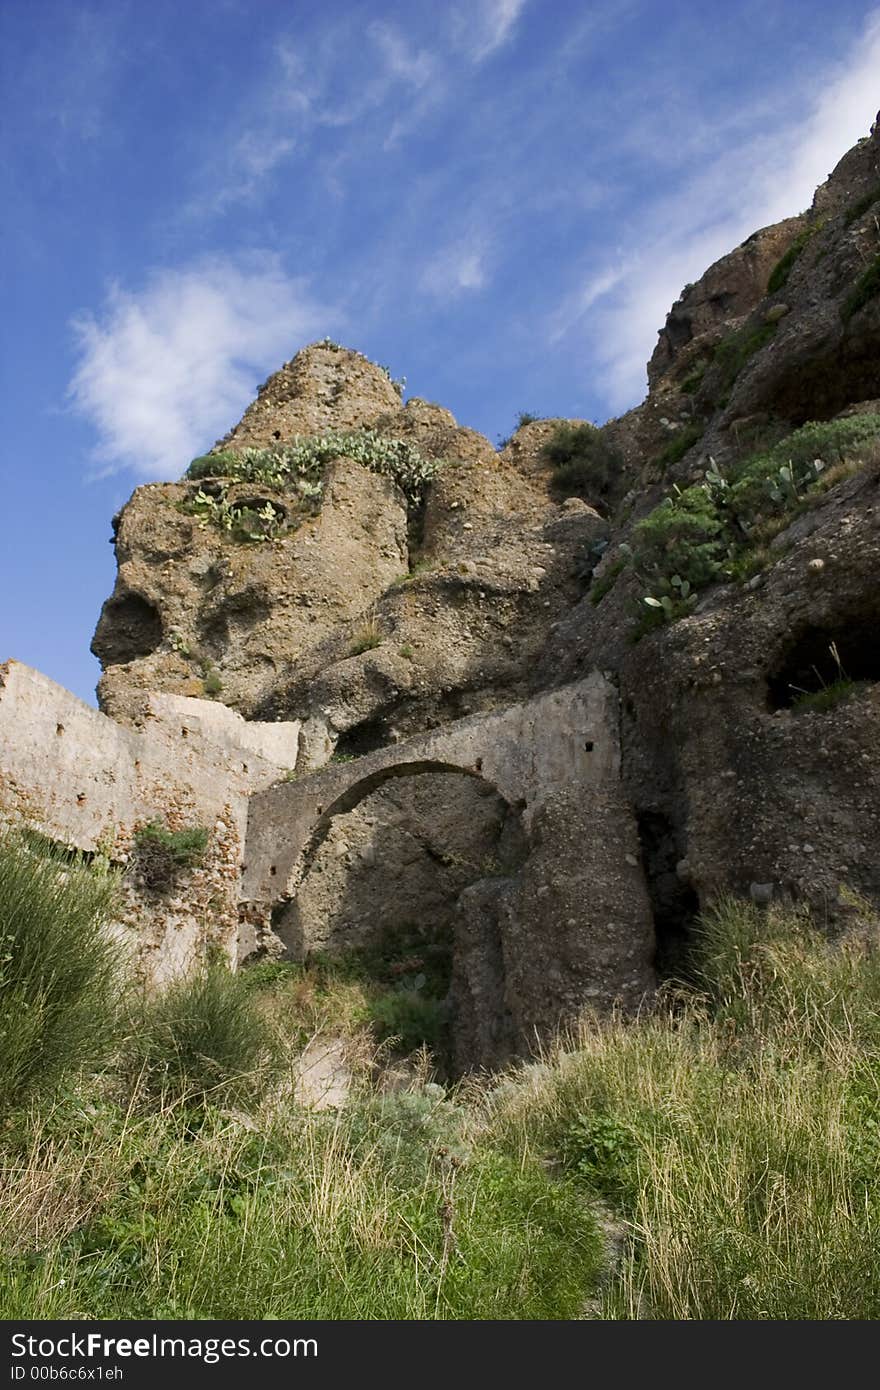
(737, 1136)
(58, 969)
(203, 1039)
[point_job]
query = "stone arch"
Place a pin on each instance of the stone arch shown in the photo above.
(358, 791)
(393, 870)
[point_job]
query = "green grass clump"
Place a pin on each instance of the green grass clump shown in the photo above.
(58, 969)
(203, 1038)
(601, 587)
(784, 266)
(734, 352)
(830, 695)
(365, 639)
(583, 461)
(737, 1134)
(219, 465)
(861, 205)
(160, 855)
(681, 442)
(866, 288)
(389, 1210)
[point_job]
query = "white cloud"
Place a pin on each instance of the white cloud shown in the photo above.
(485, 26)
(162, 373)
(401, 62)
(770, 174)
(455, 269)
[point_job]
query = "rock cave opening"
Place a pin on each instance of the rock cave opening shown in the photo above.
(129, 628)
(827, 658)
(366, 737)
(379, 898)
(674, 903)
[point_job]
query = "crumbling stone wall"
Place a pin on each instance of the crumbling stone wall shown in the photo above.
(86, 782)
(552, 918)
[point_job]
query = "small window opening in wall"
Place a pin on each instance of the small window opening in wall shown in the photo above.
(59, 728)
(185, 733)
(276, 434)
(80, 796)
(244, 767)
(479, 764)
(273, 870)
(588, 746)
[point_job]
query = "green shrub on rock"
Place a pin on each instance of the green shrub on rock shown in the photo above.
(585, 464)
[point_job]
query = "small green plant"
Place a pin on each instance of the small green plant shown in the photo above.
(240, 520)
(784, 266)
(681, 443)
(398, 382)
(720, 528)
(694, 380)
(819, 701)
(603, 1151)
(584, 462)
(410, 1019)
(606, 583)
(202, 1039)
(59, 970)
(866, 288)
(861, 206)
(407, 652)
(366, 638)
(160, 855)
(212, 465)
(212, 684)
(734, 352)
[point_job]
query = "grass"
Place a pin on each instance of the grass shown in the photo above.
(861, 206)
(160, 855)
(365, 639)
(866, 288)
(57, 968)
(782, 270)
(202, 1039)
(681, 442)
(818, 701)
(722, 528)
(731, 1133)
(737, 1135)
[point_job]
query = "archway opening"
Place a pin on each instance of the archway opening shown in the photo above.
(379, 900)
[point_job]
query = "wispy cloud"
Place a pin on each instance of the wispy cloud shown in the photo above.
(412, 66)
(164, 371)
(771, 173)
(456, 268)
(483, 27)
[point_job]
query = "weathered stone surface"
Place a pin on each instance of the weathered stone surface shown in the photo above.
(531, 868)
(85, 781)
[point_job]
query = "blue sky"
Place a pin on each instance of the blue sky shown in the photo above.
(498, 198)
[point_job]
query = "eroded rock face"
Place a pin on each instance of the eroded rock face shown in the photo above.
(422, 638)
(373, 617)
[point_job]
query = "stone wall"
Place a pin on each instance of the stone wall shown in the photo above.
(560, 921)
(86, 782)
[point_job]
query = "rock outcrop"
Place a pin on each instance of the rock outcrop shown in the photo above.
(543, 729)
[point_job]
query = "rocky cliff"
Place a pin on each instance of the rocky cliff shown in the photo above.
(697, 581)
